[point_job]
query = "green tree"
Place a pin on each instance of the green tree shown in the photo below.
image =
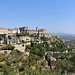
(0, 38)
(8, 47)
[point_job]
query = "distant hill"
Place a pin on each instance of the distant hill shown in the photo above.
(65, 36)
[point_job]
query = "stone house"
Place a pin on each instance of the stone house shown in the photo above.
(3, 30)
(20, 47)
(13, 31)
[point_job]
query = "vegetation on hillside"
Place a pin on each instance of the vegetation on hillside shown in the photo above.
(44, 38)
(0, 38)
(22, 34)
(8, 47)
(35, 64)
(37, 49)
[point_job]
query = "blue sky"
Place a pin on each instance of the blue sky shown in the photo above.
(53, 15)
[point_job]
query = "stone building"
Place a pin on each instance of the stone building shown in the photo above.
(13, 31)
(25, 38)
(32, 32)
(42, 30)
(3, 51)
(3, 30)
(25, 29)
(47, 35)
(10, 37)
(20, 47)
(37, 28)
(4, 38)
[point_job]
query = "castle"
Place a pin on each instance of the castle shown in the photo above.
(25, 29)
(21, 30)
(9, 35)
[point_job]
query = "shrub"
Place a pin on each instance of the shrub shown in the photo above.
(21, 69)
(22, 34)
(44, 38)
(8, 63)
(0, 38)
(1, 65)
(1, 59)
(31, 35)
(8, 47)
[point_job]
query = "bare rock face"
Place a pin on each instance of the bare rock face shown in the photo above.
(52, 62)
(33, 67)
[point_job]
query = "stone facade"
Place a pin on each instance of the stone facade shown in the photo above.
(20, 47)
(47, 35)
(25, 29)
(3, 31)
(4, 38)
(25, 38)
(12, 39)
(9, 35)
(9, 31)
(42, 30)
(32, 32)
(2, 51)
(13, 31)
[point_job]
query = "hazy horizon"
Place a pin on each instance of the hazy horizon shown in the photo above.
(53, 15)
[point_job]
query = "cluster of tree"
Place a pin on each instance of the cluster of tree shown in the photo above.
(58, 46)
(0, 38)
(31, 35)
(22, 34)
(37, 49)
(8, 47)
(44, 38)
(1, 59)
(66, 63)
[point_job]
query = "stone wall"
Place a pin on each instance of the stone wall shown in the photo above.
(3, 31)
(2, 51)
(20, 47)
(23, 29)
(32, 32)
(13, 31)
(25, 38)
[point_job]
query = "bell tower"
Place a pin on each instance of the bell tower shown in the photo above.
(37, 28)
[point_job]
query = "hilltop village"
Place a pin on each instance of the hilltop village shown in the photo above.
(32, 52)
(17, 36)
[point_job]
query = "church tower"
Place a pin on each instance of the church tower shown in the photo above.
(37, 28)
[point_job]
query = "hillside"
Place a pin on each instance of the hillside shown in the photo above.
(43, 56)
(64, 36)
(68, 38)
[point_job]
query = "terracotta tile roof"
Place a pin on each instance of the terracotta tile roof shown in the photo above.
(3, 28)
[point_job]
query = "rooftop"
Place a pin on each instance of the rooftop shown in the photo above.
(2, 28)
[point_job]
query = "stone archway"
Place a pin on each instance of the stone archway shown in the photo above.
(4, 37)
